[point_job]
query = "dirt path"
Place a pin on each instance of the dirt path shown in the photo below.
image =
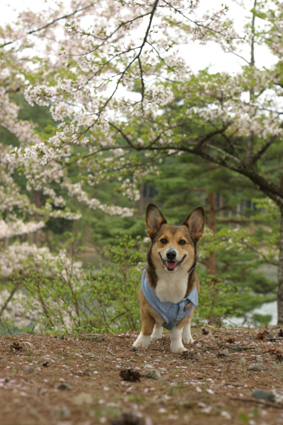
(48, 380)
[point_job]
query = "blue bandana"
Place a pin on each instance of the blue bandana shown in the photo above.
(170, 312)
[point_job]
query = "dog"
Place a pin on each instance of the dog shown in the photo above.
(169, 289)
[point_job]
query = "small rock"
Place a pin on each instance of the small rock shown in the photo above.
(149, 366)
(61, 412)
(243, 361)
(88, 372)
(82, 398)
(258, 351)
(237, 349)
(29, 370)
(92, 355)
(257, 367)
(264, 395)
(269, 336)
(65, 386)
(154, 374)
(259, 359)
(223, 353)
(163, 369)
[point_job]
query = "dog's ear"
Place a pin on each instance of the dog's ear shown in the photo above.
(195, 223)
(154, 220)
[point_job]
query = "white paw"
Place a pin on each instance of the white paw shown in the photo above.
(142, 341)
(140, 344)
(188, 339)
(178, 349)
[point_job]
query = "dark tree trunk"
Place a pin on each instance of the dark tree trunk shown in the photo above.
(211, 222)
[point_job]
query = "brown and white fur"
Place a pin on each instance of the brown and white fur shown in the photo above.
(170, 272)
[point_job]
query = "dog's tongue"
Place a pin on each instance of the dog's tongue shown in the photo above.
(171, 265)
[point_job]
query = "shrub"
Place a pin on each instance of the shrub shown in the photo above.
(216, 300)
(68, 298)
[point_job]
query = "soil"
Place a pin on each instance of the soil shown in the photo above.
(46, 379)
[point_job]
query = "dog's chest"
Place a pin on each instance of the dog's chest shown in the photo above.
(171, 286)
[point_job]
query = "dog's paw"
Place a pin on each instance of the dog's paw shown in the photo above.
(140, 344)
(179, 349)
(142, 341)
(188, 340)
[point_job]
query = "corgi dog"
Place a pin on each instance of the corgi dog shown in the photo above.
(169, 289)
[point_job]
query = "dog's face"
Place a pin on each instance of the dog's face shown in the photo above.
(173, 247)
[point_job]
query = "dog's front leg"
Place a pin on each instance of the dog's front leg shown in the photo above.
(176, 339)
(143, 339)
(187, 336)
(157, 333)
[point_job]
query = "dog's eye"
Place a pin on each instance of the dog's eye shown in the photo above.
(182, 242)
(164, 241)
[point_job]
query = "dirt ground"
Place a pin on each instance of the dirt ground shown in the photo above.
(49, 380)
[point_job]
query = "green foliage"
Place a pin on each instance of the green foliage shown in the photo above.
(244, 418)
(261, 319)
(216, 301)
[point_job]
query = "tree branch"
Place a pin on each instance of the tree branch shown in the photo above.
(264, 147)
(260, 253)
(51, 23)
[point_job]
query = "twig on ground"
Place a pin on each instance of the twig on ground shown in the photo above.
(230, 333)
(264, 403)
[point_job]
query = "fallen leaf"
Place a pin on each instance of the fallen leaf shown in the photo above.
(130, 375)
(128, 417)
(16, 346)
(262, 335)
(231, 340)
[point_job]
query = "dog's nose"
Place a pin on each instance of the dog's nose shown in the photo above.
(171, 255)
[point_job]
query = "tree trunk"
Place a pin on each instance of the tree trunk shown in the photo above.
(280, 276)
(211, 222)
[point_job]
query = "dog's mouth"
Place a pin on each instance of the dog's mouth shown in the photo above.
(171, 265)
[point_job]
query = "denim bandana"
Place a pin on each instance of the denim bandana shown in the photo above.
(170, 312)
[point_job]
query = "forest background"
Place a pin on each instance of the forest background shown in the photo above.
(48, 280)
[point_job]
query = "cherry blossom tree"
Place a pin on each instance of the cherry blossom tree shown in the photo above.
(27, 56)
